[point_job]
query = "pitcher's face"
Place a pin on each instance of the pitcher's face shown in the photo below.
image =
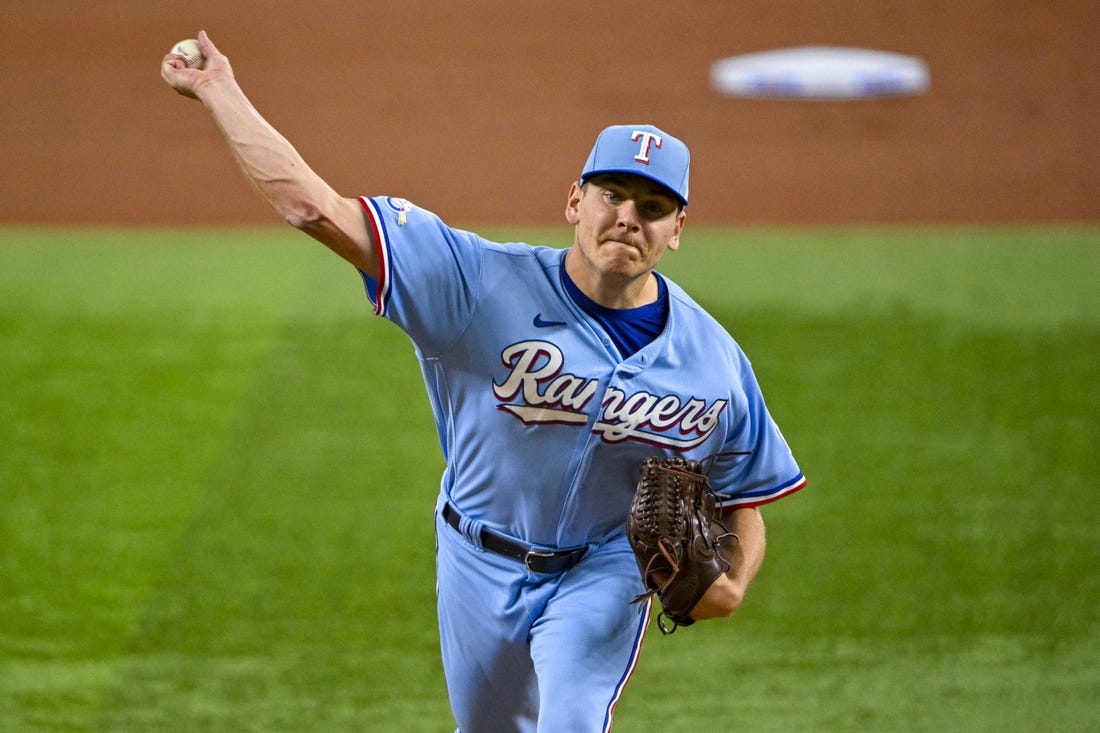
(623, 223)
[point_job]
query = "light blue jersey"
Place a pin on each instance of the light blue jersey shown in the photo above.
(544, 426)
(541, 421)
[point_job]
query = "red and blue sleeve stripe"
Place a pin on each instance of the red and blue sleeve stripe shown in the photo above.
(378, 290)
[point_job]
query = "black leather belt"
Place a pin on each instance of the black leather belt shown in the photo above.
(537, 561)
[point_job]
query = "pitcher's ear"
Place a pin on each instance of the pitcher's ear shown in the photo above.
(573, 202)
(674, 241)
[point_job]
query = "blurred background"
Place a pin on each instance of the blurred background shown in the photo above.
(485, 111)
(217, 469)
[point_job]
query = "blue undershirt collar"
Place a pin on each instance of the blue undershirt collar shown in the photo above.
(630, 328)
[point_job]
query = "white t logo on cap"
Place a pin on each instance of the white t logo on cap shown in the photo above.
(648, 139)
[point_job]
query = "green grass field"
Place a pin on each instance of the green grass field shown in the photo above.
(217, 471)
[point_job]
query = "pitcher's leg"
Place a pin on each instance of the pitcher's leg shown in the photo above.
(483, 630)
(587, 640)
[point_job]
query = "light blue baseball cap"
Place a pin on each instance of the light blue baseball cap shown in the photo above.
(644, 151)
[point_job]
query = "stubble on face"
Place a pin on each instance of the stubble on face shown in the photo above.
(623, 225)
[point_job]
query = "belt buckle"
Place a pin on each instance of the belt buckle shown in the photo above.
(536, 555)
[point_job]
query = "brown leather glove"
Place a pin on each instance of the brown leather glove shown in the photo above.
(676, 537)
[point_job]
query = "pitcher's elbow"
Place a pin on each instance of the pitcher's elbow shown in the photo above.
(303, 215)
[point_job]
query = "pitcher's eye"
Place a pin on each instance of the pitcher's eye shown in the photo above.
(657, 208)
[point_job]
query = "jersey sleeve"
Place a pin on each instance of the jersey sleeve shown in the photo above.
(758, 466)
(429, 272)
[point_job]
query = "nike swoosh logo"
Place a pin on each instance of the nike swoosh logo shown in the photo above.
(539, 323)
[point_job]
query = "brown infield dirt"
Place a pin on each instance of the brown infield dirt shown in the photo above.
(485, 111)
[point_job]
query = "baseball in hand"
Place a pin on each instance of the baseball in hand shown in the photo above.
(189, 49)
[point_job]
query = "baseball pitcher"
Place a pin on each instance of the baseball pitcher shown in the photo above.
(571, 389)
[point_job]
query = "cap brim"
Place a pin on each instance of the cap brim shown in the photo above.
(636, 172)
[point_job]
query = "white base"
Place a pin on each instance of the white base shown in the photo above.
(820, 72)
